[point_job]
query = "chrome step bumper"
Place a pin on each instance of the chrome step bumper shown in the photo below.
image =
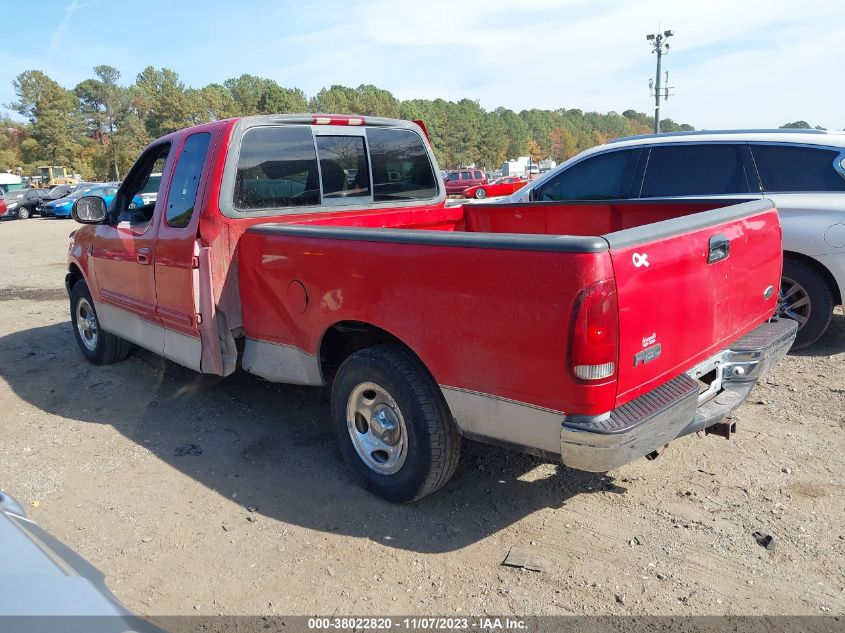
(677, 407)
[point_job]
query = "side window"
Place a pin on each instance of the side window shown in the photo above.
(401, 167)
(454, 176)
(466, 175)
(343, 167)
(603, 177)
(128, 206)
(689, 170)
(784, 168)
(186, 180)
(277, 167)
(479, 175)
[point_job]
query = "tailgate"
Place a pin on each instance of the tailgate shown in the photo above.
(689, 286)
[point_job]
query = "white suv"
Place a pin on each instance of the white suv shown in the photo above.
(802, 172)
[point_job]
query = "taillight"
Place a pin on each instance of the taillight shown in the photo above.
(594, 339)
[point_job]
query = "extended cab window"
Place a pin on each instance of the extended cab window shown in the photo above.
(186, 180)
(129, 206)
(690, 170)
(602, 177)
(401, 167)
(784, 168)
(343, 167)
(277, 167)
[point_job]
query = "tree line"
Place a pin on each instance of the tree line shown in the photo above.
(100, 126)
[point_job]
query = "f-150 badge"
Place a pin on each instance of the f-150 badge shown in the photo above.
(647, 355)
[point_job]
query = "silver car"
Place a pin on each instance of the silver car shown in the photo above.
(801, 171)
(46, 586)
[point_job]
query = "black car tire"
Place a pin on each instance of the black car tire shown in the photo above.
(23, 213)
(106, 348)
(814, 295)
(429, 436)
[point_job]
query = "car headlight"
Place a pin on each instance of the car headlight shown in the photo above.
(12, 205)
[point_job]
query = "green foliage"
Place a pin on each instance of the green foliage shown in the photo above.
(100, 127)
(797, 125)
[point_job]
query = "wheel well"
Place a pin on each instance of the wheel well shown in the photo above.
(347, 337)
(74, 274)
(820, 268)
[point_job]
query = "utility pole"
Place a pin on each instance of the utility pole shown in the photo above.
(659, 45)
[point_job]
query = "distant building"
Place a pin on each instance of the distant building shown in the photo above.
(513, 168)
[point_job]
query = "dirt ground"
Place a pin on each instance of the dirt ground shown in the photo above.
(196, 494)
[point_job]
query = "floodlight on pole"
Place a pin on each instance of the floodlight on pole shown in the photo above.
(661, 47)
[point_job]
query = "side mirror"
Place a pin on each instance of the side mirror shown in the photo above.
(89, 210)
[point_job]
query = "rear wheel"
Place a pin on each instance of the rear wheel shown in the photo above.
(481, 192)
(97, 345)
(805, 297)
(393, 426)
(23, 213)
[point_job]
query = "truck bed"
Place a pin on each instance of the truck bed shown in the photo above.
(538, 218)
(497, 309)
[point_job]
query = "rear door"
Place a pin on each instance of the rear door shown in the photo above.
(177, 263)
(689, 286)
(698, 169)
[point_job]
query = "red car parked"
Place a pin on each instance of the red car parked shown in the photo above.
(458, 181)
(541, 326)
(503, 186)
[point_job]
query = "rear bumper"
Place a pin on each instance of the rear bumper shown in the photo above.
(677, 408)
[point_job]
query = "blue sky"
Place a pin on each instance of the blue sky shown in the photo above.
(734, 63)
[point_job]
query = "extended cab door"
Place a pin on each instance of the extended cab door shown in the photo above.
(178, 254)
(123, 253)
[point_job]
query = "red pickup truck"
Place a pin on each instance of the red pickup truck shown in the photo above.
(320, 246)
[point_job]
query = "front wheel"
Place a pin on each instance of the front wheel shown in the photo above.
(392, 424)
(23, 213)
(481, 193)
(97, 345)
(805, 297)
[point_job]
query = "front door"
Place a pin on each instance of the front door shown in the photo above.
(124, 254)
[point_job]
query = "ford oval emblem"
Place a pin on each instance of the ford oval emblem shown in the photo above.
(768, 292)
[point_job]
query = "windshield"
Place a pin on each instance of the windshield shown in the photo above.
(58, 191)
(14, 195)
(81, 192)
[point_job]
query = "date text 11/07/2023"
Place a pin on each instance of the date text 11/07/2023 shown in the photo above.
(418, 623)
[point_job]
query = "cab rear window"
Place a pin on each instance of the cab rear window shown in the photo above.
(401, 168)
(290, 166)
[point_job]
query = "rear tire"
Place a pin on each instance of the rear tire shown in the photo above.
(392, 424)
(98, 346)
(805, 297)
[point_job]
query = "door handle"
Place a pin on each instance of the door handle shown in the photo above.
(719, 249)
(143, 256)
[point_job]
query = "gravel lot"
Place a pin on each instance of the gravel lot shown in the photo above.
(196, 494)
